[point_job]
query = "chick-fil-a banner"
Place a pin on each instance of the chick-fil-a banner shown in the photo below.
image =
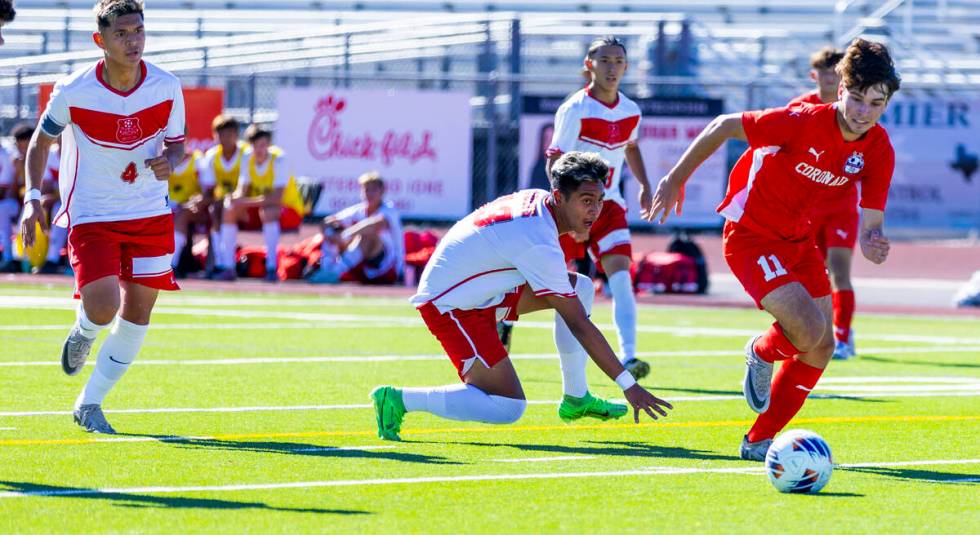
(420, 143)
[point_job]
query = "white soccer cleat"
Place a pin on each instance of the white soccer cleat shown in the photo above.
(754, 451)
(758, 379)
(90, 417)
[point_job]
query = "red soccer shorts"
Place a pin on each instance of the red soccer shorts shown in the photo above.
(609, 235)
(289, 219)
(138, 250)
(835, 228)
(471, 335)
(763, 264)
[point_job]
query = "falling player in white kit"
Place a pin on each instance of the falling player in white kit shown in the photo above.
(122, 127)
(501, 261)
(601, 119)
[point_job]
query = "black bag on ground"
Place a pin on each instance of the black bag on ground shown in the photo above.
(683, 244)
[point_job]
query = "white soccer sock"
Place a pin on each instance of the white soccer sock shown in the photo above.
(463, 402)
(624, 312)
(180, 240)
(87, 327)
(571, 354)
(56, 241)
(229, 244)
(351, 258)
(270, 231)
(116, 354)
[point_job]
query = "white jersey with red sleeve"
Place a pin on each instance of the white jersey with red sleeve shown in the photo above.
(107, 135)
(583, 123)
(392, 238)
(502, 245)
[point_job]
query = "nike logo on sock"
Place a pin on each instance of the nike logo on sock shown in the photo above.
(119, 362)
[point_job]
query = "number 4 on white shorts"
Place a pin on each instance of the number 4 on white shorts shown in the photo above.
(771, 271)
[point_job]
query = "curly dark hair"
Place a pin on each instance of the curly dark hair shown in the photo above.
(573, 168)
(867, 64)
(7, 11)
(826, 58)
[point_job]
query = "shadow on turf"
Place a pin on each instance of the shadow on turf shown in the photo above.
(616, 449)
(884, 360)
(929, 476)
(123, 499)
(293, 448)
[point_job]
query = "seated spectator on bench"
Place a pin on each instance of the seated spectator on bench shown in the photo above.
(266, 198)
(363, 243)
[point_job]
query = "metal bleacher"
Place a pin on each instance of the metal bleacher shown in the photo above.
(744, 50)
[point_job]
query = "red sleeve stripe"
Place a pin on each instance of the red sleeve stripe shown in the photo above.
(549, 292)
(178, 139)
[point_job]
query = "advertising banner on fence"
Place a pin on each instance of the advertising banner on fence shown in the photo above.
(420, 142)
(201, 106)
(936, 186)
(668, 126)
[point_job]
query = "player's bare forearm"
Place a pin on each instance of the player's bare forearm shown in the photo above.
(720, 130)
(874, 245)
(174, 152)
(587, 334)
(634, 159)
(371, 225)
(37, 158)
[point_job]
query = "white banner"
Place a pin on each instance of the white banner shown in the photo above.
(667, 128)
(420, 142)
(936, 185)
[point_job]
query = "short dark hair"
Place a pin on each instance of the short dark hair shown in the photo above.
(224, 122)
(867, 64)
(7, 10)
(107, 11)
(826, 58)
(255, 132)
(573, 168)
(607, 40)
(22, 132)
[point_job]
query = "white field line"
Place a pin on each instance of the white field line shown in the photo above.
(8, 428)
(907, 463)
(433, 356)
(546, 459)
(343, 448)
(409, 321)
(896, 379)
(651, 471)
(969, 391)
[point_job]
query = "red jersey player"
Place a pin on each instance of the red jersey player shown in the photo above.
(796, 156)
(503, 260)
(122, 126)
(835, 219)
(600, 119)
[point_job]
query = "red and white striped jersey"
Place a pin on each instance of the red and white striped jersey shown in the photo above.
(583, 123)
(492, 251)
(107, 135)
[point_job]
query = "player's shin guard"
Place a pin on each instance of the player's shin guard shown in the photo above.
(843, 313)
(790, 387)
(773, 345)
(463, 402)
(624, 312)
(270, 233)
(572, 355)
(116, 354)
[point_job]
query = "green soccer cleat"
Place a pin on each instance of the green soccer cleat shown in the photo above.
(573, 408)
(389, 411)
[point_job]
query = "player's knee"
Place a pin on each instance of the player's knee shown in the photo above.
(101, 312)
(584, 289)
(506, 410)
(809, 338)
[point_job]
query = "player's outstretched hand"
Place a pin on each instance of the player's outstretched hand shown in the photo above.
(161, 167)
(875, 246)
(640, 399)
(669, 197)
(646, 203)
(28, 224)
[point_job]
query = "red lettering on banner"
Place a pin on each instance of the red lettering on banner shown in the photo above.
(326, 139)
(658, 132)
(693, 131)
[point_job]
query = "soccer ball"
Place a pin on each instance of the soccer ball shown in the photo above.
(799, 461)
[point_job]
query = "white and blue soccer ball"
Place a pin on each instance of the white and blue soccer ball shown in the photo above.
(799, 461)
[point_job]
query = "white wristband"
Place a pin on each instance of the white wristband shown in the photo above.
(625, 380)
(33, 194)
